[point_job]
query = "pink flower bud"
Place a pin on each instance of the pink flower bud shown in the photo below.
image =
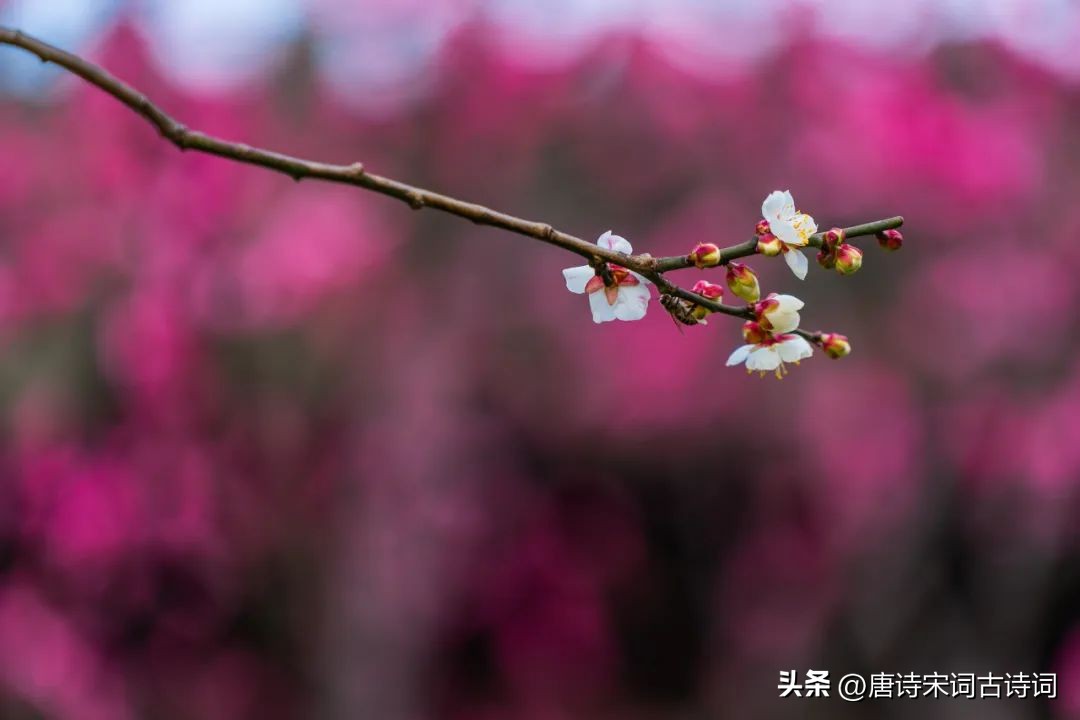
(890, 240)
(769, 245)
(708, 290)
(848, 259)
(835, 345)
(743, 282)
(762, 228)
(832, 238)
(705, 255)
(826, 259)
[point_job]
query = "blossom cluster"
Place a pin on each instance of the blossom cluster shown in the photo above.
(771, 330)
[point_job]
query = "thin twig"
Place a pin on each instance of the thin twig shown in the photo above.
(749, 247)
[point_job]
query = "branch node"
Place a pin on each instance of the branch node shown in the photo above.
(177, 133)
(416, 201)
(357, 169)
(645, 262)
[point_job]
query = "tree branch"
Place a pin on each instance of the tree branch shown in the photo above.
(355, 174)
(749, 247)
(297, 168)
(417, 198)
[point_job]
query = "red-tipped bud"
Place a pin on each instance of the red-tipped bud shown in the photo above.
(890, 240)
(835, 345)
(705, 255)
(753, 333)
(848, 259)
(769, 245)
(762, 228)
(743, 282)
(826, 259)
(708, 290)
(831, 239)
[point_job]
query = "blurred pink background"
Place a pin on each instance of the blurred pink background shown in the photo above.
(278, 450)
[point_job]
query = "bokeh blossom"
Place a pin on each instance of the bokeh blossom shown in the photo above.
(276, 450)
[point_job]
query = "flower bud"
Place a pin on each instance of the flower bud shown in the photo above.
(778, 313)
(769, 245)
(762, 228)
(831, 239)
(890, 240)
(708, 290)
(848, 259)
(743, 282)
(753, 333)
(835, 345)
(705, 255)
(826, 259)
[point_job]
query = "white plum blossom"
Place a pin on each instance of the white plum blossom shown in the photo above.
(791, 227)
(771, 355)
(767, 352)
(627, 300)
(779, 313)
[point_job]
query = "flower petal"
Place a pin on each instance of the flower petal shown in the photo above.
(641, 278)
(783, 322)
(805, 225)
(601, 311)
(778, 206)
(595, 284)
(633, 302)
(615, 242)
(794, 349)
(788, 233)
(765, 359)
(578, 277)
(797, 262)
(787, 303)
(740, 355)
